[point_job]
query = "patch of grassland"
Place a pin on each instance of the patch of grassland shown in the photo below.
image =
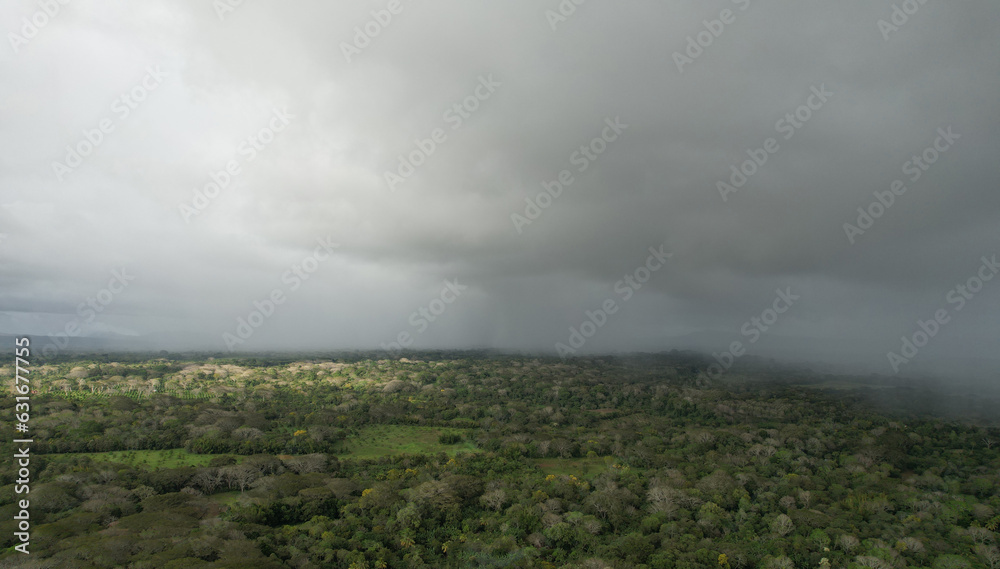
(226, 498)
(150, 459)
(383, 440)
(373, 442)
(579, 467)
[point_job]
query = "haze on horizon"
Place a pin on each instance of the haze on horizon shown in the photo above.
(495, 101)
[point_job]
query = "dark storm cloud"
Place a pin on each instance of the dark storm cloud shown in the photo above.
(551, 92)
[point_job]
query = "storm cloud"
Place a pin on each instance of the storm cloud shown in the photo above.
(529, 153)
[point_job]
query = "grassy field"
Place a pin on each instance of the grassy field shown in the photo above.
(373, 442)
(226, 498)
(383, 440)
(579, 467)
(150, 459)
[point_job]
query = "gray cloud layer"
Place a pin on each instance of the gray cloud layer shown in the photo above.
(324, 174)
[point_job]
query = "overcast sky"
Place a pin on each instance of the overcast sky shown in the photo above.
(184, 89)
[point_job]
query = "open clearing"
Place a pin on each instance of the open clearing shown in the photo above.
(226, 498)
(389, 440)
(373, 442)
(151, 459)
(579, 467)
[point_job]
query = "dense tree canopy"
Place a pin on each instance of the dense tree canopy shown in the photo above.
(493, 461)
